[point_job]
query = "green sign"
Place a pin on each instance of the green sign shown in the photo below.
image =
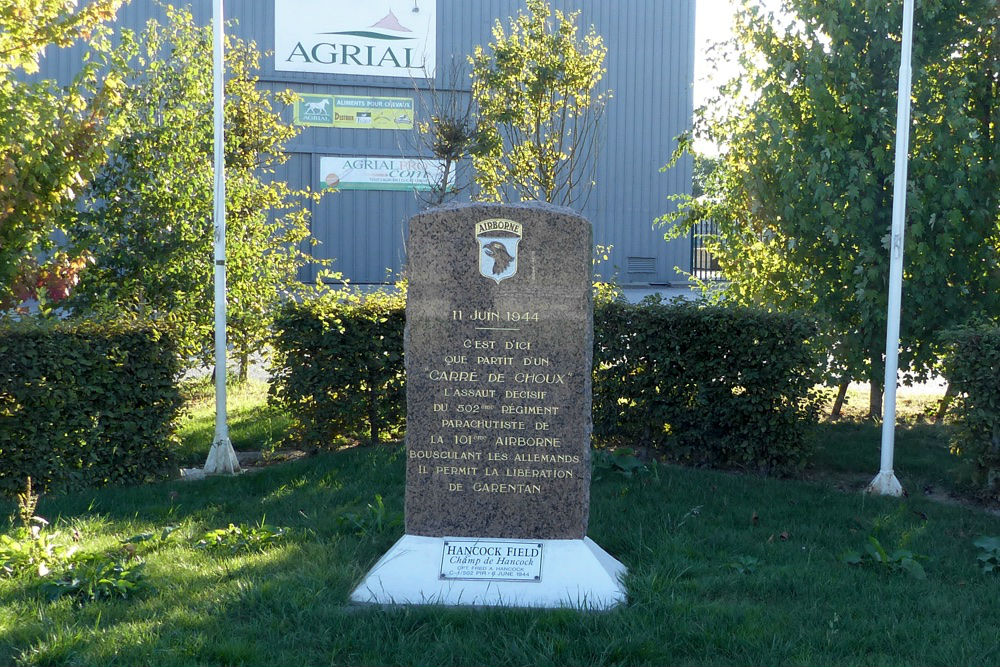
(358, 172)
(356, 112)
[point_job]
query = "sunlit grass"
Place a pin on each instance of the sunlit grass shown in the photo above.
(679, 531)
(723, 569)
(913, 404)
(253, 425)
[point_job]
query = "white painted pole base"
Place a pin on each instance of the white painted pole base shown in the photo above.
(222, 459)
(574, 573)
(886, 484)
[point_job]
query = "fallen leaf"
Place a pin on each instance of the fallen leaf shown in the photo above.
(784, 536)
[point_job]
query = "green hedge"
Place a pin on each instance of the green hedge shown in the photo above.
(973, 372)
(85, 405)
(338, 367)
(707, 385)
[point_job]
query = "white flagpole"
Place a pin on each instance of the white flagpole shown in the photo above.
(885, 483)
(222, 457)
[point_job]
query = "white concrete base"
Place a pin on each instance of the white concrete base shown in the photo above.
(222, 459)
(575, 573)
(886, 484)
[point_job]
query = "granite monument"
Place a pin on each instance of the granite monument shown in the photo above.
(498, 348)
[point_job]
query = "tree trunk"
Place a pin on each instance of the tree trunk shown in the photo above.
(875, 401)
(373, 420)
(839, 402)
(876, 378)
(949, 394)
(244, 367)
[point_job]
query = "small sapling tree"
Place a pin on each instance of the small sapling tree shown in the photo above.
(148, 216)
(802, 193)
(451, 133)
(536, 88)
(52, 138)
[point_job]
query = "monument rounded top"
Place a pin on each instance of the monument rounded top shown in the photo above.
(534, 206)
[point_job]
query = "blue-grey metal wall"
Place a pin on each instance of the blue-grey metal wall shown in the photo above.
(650, 68)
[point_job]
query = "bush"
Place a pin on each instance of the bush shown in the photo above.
(973, 370)
(338, 367)
(97, 577)
(241, 539)
(707, 385)
(85, 404)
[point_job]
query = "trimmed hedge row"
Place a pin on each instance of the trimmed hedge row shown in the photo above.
(338, 367)
(973, 371)
(85, 404)
(705, 385)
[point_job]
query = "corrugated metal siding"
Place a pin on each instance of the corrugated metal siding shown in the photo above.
(650, 68)
(298, 169)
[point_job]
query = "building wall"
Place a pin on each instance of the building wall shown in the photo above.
(650, 66)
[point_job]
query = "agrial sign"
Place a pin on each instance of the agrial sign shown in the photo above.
(356, 172)
(370, 38)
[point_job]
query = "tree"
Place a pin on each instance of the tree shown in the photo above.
(51, 138)
(148, 213)
(539, 108)
(803, 192)
(701, 170)
(450, 133)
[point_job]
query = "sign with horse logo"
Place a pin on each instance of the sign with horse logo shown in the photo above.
(355, 112)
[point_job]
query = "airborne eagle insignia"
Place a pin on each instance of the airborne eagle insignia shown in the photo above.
(498, 239)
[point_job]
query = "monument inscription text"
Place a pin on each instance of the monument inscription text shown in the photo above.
(499, 337)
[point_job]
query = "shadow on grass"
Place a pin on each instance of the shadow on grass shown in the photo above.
(679, 531)
(848, 454)
(251, 428)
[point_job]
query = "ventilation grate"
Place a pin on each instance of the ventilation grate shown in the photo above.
(642, 265)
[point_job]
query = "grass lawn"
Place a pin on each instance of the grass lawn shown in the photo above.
(848, 451)
(253, 424)
(723, 569)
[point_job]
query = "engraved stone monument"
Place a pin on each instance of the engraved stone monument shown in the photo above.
(499, 344)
